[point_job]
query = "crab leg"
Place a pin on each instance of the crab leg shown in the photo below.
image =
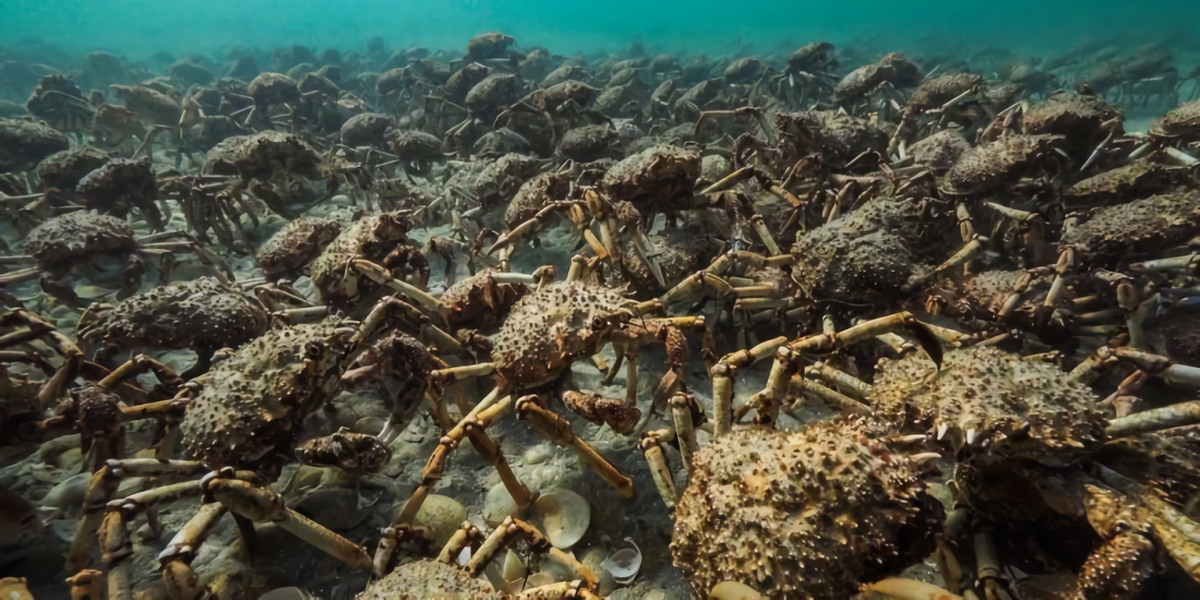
(466, 536)
(559, 431)
(651, 447)
(909, 589)
(102, 485)
(849, 384)
(175, 562)
(723, 374)
(381, 276)
(962, 257)
(487, 411)
(682, 408)
(1161, 366)
(1155, 419)
(262, 504)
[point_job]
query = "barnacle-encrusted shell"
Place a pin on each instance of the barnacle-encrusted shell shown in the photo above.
(262, 155)
(549, 328)
(249, 412)
(288, 252)
(428, 579)
(858, 257)
(1181, 121)
(370, 238)
(984, 167)
(202, 313)
(809, 514)
(1135, 229)
(939, 151)
(1018, 408)
(79, 233)
(656, 174)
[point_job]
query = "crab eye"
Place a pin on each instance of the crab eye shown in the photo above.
(313, 350)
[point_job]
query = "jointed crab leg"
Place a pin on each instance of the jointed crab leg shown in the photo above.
(723, 375)
(175, 562)
(1155, 419)
(651, 447)
(261, 504)
(559, 431)
(1160, 366)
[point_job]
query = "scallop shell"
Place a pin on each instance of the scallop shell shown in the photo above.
(498, 505)
(563, 516)
(442, 514)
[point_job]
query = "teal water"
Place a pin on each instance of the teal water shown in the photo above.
(138, 28)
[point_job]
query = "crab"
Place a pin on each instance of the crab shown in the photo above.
(654, 179)
(287, 253)
(25, 143)
(426, 578)
(204, 315)
(892, 70)
(1181, 123)
(371, 248)
(244, 414)
(121, 184)
(151, 106)
(80, 240)
(814, 513)
(272, 165)
(962, 401)
(354, 453)
(1004, 161)
(61, 103)
(1138, 179)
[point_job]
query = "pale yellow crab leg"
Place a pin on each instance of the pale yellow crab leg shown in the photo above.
(381, 276)
(682, 407)
(513, 528)
(559, 431)
(511, 237)
(264, 505)
(102, 485)
(1155, 419)
(844, 382)
(723, 375)
(465, 536)
(694, 284)
(1160, 366)
(965, 254)
(651, 447)
(175, 562)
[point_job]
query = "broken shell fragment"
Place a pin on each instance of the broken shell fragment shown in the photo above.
(624, 563)
(563, 516)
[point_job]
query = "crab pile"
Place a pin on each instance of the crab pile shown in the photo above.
(236, 292)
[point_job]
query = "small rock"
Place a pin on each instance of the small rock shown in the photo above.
(368, 425)
(442, 514)
(538, 454)
(336, 509)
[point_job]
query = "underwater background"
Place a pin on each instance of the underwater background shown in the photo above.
(138, 28)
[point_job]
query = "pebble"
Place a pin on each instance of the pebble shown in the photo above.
(538, 454)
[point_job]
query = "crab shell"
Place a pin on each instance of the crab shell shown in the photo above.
(808, 514)
(997, 402)
(294, 246)
(990, 165)
(549, 329)
(78, 235)
(658, 174)
(1183, 121)
(249, 412)
(858, 257)
(1138, 229)
(370, 238)
(421, 579)
(202, 313)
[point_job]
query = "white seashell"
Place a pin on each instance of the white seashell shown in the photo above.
(498, 505)
(563, 516)
(624, 563)
(538, 580)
